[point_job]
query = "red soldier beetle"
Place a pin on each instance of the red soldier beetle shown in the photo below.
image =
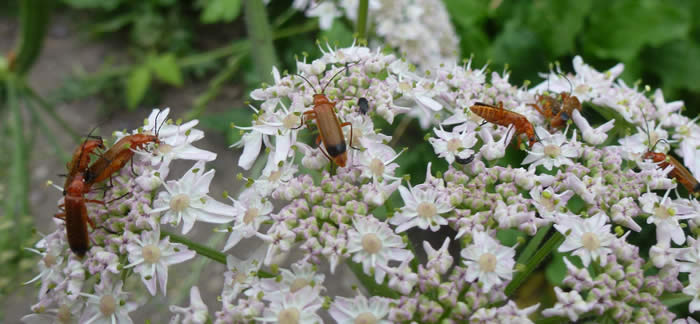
(557, 110)
(119, 154)
(679, 172)
(328, 124)
(500, 116)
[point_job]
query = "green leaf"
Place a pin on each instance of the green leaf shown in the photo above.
(220, 11)
(166, 69)
(619, 29)
(556, 269)
(338, 35)
(557, 22)
(676, 64)
(518, 43)
(136, 85)
(509, 236)
(467, 13)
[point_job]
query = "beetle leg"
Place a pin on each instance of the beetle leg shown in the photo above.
(115, 199)
(351, 137)
(95, 201)
(61, 216)
(312, 115)
(318, 141)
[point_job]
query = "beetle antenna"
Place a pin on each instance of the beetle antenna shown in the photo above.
(347, 66)
(307, 81)
(646, 122)
(571, 85)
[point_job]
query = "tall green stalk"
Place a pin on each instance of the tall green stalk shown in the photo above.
(260, 34)
(362, 14)
(34, 21)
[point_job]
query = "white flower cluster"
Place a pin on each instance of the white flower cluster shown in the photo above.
(419, 29)
(588, 198)
(127, 238)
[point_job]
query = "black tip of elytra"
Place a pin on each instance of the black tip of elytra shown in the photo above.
(335, 150)
(696, 188)
(465, 161)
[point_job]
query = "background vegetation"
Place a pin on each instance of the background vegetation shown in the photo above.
(169, 43)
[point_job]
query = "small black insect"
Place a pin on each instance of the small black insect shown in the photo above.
(364, 105)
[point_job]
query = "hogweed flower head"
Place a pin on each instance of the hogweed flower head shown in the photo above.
(490, 207)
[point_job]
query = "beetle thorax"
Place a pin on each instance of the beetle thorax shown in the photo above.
(320, 99)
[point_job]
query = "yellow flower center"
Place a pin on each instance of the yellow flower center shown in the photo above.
(180, 202)
(108, 305)
(377, 167)
(426, 210)
(552, 150)
(291, 121)
(453, 145)
(297, 284)
(487, 262)
(250, 215)
(366, 318)
(371, 243)
(64, 315)
(288, 316)
(151, 253)
(590, 241)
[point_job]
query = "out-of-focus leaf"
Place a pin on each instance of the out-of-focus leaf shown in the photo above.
(517, 43)
(676, 64)
(136, 85)
(220, 11)
(338, 35)
(222, 122)
(619, 29)
(468, 13)
(93, 4)
(556, 269)
(166, 69)
(509, 237)
(473, 40)
(557, 22)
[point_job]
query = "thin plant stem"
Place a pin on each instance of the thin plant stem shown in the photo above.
(60, 152)
(362, 13)
(260, 34)
(17, 204)
(554, 241)
(201, 249)
(34, 21)
(51, 111)
(533, 244)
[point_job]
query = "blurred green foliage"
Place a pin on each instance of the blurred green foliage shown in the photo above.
(657, 40)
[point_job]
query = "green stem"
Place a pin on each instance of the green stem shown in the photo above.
(17, 204)
(373, 288)
(202, 250)
(34, 20)
(533, 244)
(260, 33)
(362, 13)
(200, 104)
(58, 148)
(672, 300)
(534, 262)
(49, 109)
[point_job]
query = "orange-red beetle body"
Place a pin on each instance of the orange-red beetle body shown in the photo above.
(499, 116)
